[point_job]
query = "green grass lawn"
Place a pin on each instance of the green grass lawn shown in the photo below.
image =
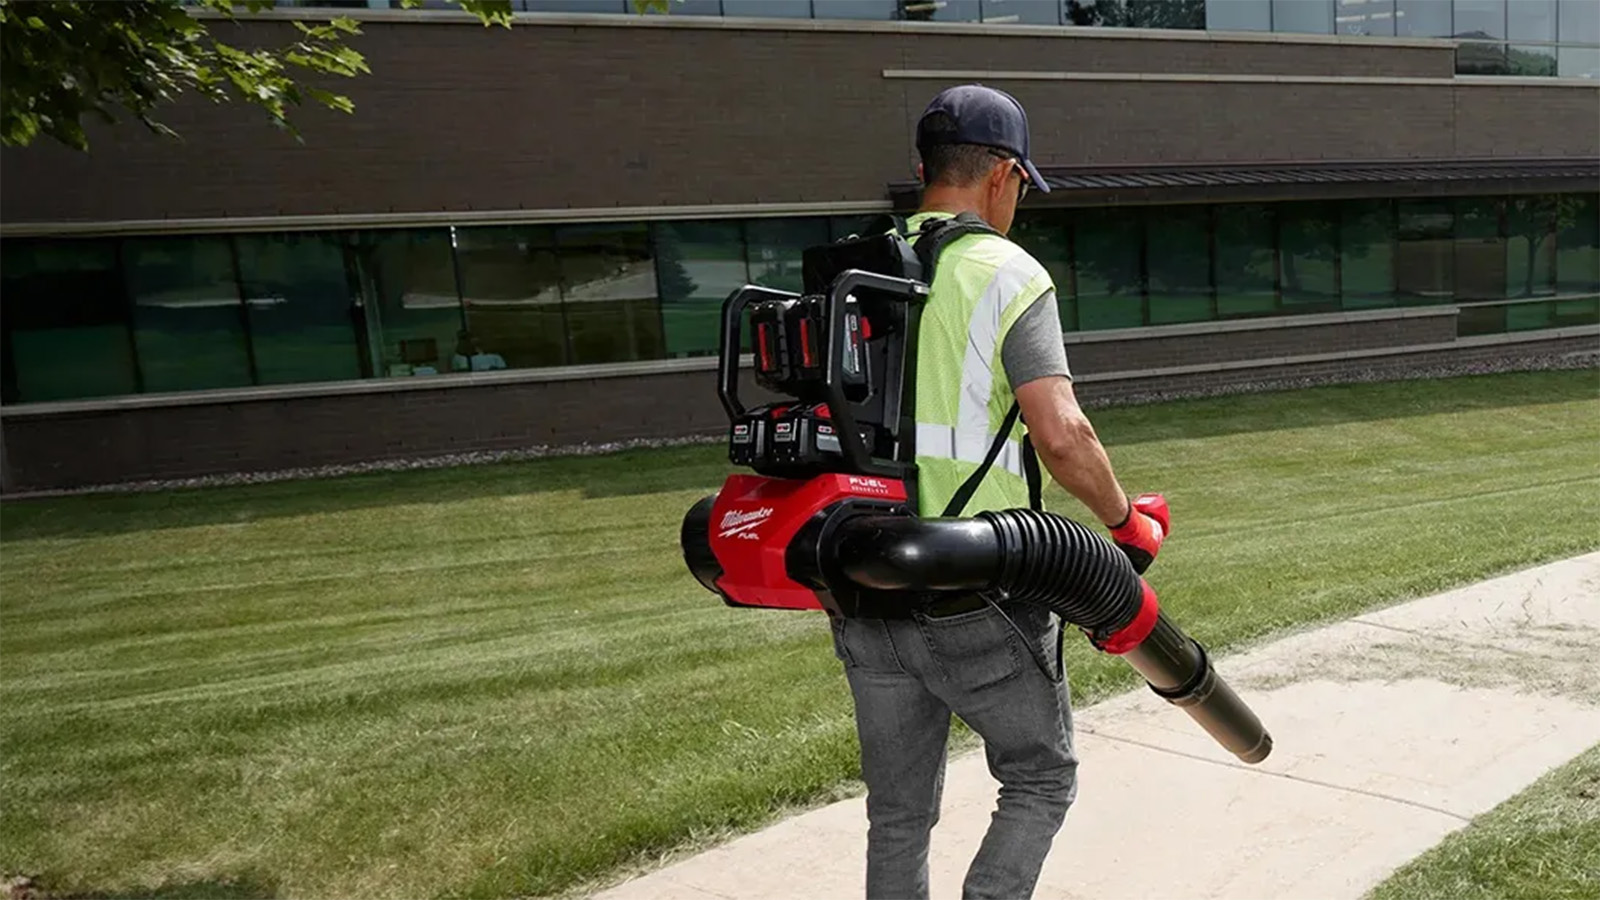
(501, 680)
(1542, 844)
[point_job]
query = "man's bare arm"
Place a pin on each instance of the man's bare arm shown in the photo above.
(1069, 449)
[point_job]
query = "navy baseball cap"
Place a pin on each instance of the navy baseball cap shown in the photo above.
(982, 115)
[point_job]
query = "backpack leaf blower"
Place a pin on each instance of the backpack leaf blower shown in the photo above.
(830, 521)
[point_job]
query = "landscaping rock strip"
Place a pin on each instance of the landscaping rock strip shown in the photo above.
(1522, 363)
(1392, 730)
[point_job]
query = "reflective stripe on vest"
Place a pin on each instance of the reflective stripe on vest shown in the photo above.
(981, 286)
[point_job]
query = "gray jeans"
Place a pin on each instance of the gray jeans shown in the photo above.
(908, 676)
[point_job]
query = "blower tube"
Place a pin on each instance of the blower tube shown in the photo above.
(1038, 557)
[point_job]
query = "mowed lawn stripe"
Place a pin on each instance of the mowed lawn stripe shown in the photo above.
(501, 680)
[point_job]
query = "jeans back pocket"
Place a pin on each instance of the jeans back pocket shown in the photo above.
(974, 650)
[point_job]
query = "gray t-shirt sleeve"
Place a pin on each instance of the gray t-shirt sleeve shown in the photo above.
(1033, 347)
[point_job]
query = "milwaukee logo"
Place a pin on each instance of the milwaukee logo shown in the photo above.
(737, 521)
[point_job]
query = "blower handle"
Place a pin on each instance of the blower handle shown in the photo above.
(848, 282)
(732, 336)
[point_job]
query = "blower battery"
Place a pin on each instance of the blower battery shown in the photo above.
(791, 345)
(784, 438)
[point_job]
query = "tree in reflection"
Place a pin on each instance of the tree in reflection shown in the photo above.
(1180, 14)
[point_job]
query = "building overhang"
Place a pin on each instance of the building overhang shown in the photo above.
(1277, 181)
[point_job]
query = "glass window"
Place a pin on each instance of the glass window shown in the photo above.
(297, 295)
(1482, 59)
(940, 10)
(1247, 283)
(1303, 16)
(1308, 248)
(585, 6)
(1579, 21)
(1530, 246)
(1578, 62)
(768, 9)
(1181, 14)
(1422, 18)
(511, 298)
(1480, 251)
(773, 248)
(1366, 246)
(413, 313)
(65, 323)
(1239, 15)
(1022, 12)
(841, 227)
(1578, 243)
(1536, 61)
(1106, 245)
(1368, 17)
(698, 264)
(1044, 234)
(1423, 266)
(1179, 263)
(1531, 20)
(608, 287)
(188, 324)
(881, 10)
(694, 8)
(1480, 18)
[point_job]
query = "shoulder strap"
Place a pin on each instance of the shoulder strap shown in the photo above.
(936, 235)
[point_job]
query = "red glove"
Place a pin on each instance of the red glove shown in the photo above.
(1141, 533)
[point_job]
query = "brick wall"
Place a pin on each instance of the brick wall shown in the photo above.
(456, 117)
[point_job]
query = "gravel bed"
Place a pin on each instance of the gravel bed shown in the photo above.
(1525, 363)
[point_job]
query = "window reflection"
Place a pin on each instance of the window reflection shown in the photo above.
(940, 10)
(1578, 243)
(1423, 260)
(1044, 234)
(768, 9)
(1366, 245)
(510, 299)
(188, 324)
(880, 10)
(1480, 251)
(1239, 15)
(1110, 290)
(773, 248)
(1179, 14)
(1247, 283)
(1530, 246)
(1308, 247)
(1531, 20)
(1179, 259)
(1422, 18)
(1022, 12)
(1480, 19)
(1303, 16)
(1539, 61)
(65, 327)
(413, 313)
(1369, 17)
(298, 296)
(609, 291)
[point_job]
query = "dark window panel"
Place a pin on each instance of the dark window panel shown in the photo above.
(1482, 59)
(768, 9)
(1480, 19)
(1578, 243)
(1176, 14)
(1578, 21)
(1303, 16)
(1022, 12)
(511, 298)
(1533, 61)
(187, 321)
(1239, 15)
(609, 293)
(1530, 246)
(774, 247)
(1424, 263)
(1247, 283)
(699, 264)
(1106, 244)
(1179, 263)
(1531, 20)
(413, 309)
(297, 295)
(65, 321)
(841, 227)
(1480, 251)
(1366, 17)
(1422, 18)
(1308, 250)
(1366, 248)
(1043, 233)
(880, 10)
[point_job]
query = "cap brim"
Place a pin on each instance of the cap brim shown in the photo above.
(1036, 180)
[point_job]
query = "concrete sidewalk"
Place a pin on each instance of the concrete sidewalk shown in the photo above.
(1392, 730)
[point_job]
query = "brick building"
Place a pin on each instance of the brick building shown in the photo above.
(522, 236)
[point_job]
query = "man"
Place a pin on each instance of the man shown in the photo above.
(990, 336)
